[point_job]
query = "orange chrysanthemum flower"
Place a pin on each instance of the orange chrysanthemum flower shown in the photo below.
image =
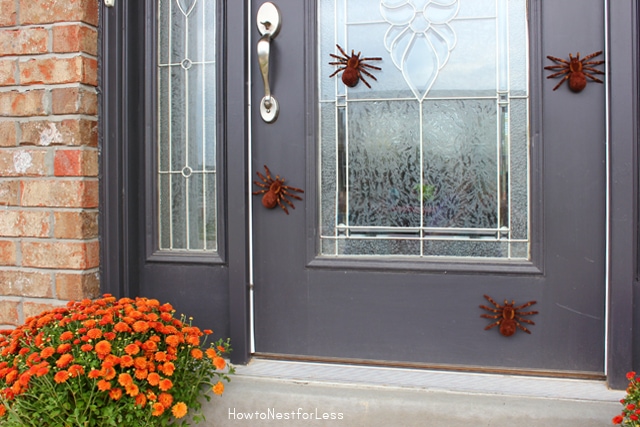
(211, 353)
(132, 390)
(61, 376)
(218, 388)
(94, 373)
(125, 379)
(64, 360)
(165, 384)
(219, 363)
(221, 349)
(141, 400)
(121, 327)
(196, 353)
(167, 368)
(160, 356)
(63, 348)
(126, 361)
(47, 352)
(173, 340)
(140, 362)
(103, 347)
(75, 370)
(104, 385)
(115, 393)
(141, 326)
(141, 374)
(179, 410)
(132, 349)
(86, 348)
(158, 409)
(107, 372)
(153, 379)
(66, 336)
(94, 333)
(165, 399)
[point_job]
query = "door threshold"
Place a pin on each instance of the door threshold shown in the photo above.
(310, 370)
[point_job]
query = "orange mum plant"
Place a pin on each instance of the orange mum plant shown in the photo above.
(630, 415)
(108, 362)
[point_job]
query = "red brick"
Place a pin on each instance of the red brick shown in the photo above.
(76, 193)
(77, 69)
(27, 284)
(49, 11)
(8, 135)
(31, 309)
(72, 132)
(23, 163)
(75, 224)
(7, 252)
(61, 254)
(16, 223)
(75, 38)
(9, 312)
(9, 192)
(75, 163)
(22, 104)
(8, 13)
(74, 100)
(23, 41)
(8, 71)
(75, 287)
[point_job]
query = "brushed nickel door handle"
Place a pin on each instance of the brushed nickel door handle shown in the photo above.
(269, 22)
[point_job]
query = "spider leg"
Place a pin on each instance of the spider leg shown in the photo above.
(363, 80)
(530, 303)
(561, 81)
(377, 58)
(339, 58)
(362, 70)
(491, 300)
(592, 63)
(522, 328)
(527, 313)
(493, 325)
(369, 66)
(488, 316)
(495, 310)
(288, 202)
(553, 58)
(593, 70)
(556, 67)
(595, 79)
(268, 173)
(337, 71)
(593, 55)
(286, 187)
(342, 51)
(341, 62)
(520, 319)
(291, 195)
(284, 208)
(262, 177)
(559, 73)
(259, 192)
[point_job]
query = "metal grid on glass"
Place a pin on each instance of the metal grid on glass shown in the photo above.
(433, 160)
(186, 144)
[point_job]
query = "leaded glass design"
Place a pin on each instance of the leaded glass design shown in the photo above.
(186, 143)
(433, 160)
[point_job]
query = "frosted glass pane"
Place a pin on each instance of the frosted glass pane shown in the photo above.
(433, 159)
(187, 117)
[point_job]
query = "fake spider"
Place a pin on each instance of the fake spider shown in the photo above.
(275, 192)
(509, 317)
(575, 70)
(353, 67)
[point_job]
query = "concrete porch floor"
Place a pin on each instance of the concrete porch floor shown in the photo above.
(285, 393)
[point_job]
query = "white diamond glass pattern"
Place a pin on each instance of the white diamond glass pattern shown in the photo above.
(186, 144)
(433, 160)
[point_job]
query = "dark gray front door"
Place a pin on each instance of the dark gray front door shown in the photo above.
(459, 174)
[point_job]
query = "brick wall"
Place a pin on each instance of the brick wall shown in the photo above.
(48, 155)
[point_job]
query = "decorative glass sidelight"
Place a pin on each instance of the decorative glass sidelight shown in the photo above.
(433, 159)
(186, 143)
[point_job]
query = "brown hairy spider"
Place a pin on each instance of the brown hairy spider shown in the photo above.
(353, 67)
(275, 191)
(575, 70)
(509, 317)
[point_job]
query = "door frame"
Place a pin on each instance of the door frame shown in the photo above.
(121, 112)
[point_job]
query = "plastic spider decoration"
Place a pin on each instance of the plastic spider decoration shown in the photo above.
(275, 192)
(575, 70)
(353, 67)
(508, 317)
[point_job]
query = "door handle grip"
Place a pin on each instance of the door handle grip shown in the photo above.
(269, 20)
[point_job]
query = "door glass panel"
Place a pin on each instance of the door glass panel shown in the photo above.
(186, 144)
(433, 159)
